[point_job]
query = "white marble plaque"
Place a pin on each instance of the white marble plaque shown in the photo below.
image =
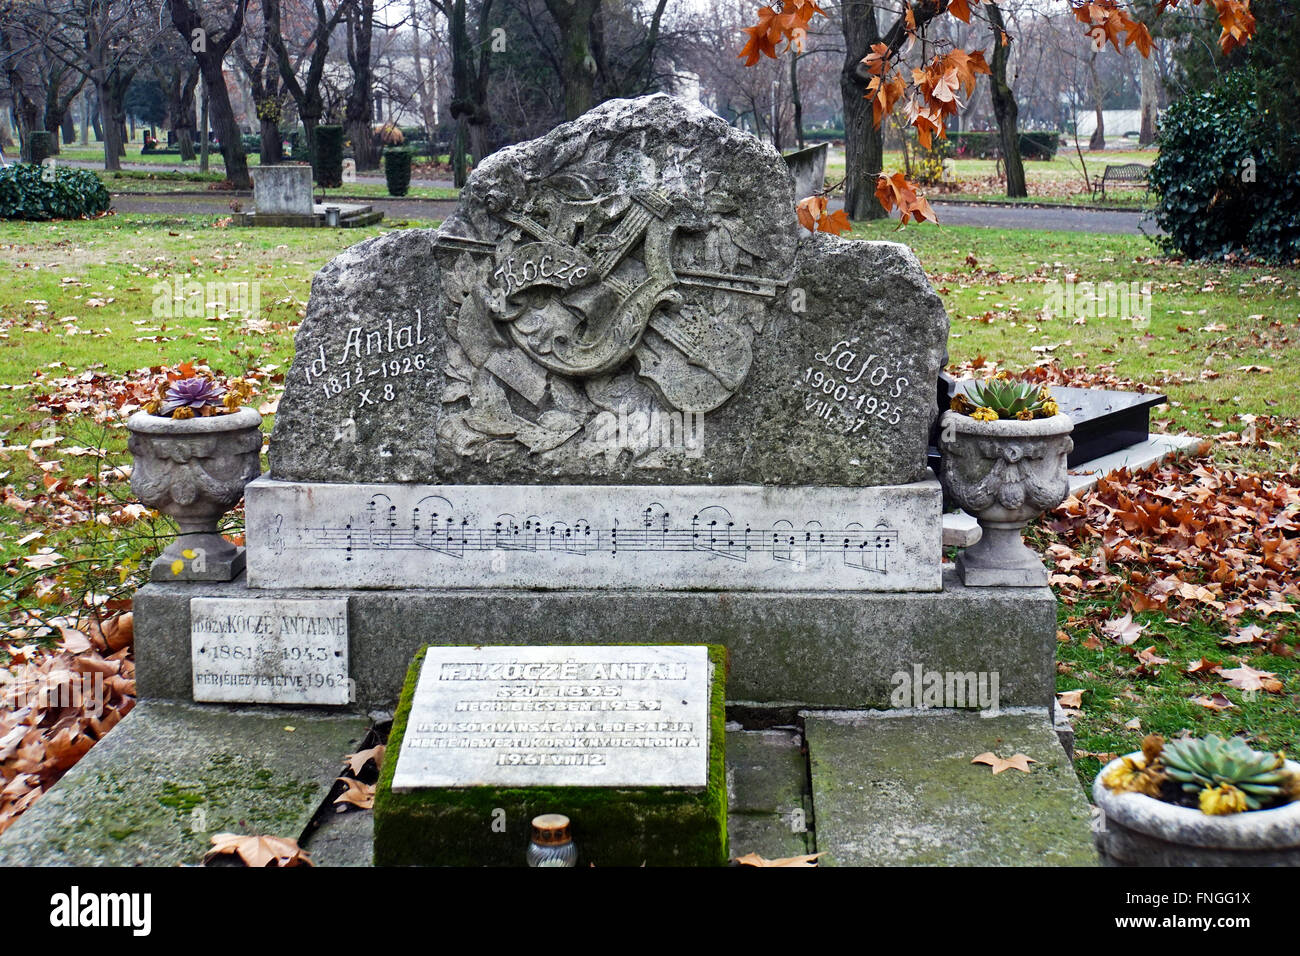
(603, 716)
(730, 537)
(277, 651)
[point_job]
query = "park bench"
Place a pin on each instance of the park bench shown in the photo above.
(1126, 173)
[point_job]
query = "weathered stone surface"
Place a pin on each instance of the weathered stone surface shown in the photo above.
(282, 190)
(769, 809)
(321, 535)
(626, 280)
(558, 716)
(836, 649)
(270, 652)
(900, 790)
(170, 776)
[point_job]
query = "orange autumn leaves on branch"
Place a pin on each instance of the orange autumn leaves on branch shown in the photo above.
(935, 87)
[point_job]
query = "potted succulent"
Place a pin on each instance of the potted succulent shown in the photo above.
(1004, 446)
(1198, 802)
(195, 448)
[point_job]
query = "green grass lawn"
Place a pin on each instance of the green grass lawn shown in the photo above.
(78, 300)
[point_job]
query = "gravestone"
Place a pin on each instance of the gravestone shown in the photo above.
(282, 191)
(620, 395)
(627, 741)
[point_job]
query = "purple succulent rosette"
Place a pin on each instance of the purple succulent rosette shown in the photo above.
(195, 393)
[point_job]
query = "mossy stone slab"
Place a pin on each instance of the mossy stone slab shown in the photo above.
(900, 790)
(170, 775)
(490, 825)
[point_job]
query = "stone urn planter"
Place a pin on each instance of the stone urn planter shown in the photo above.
(1005, 473)
(1136, 830)
(194, 470)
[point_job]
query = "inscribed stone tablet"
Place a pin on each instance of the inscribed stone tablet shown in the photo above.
(279, 651)
(558, 716)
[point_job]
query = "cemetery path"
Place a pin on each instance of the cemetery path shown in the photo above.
(1057, 218)
(1062, 219)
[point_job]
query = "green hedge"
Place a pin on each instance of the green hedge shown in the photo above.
(1222, 180)
(32, 192)
(397, 170)
(329, 156)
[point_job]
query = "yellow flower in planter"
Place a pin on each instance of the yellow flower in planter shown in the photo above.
(1025, 416)
(1222, 800)
(1050, 408)
(984, 414)
(183, 413)
(961, 404)
(1134, 776)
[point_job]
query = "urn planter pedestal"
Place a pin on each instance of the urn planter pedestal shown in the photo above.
(1006, 473)
(1133, 829)
(194, 470)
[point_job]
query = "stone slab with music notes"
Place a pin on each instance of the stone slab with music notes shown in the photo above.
(304, 535)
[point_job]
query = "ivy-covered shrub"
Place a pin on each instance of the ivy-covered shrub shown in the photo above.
(35, 192)
(1227, 178)
(329, 156)
(397, 170)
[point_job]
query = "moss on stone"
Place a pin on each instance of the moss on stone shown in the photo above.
(490, 826)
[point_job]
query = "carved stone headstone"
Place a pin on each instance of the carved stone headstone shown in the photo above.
(625, 300)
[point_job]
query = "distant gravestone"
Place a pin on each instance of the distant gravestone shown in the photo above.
(626, 300)
(282, 190)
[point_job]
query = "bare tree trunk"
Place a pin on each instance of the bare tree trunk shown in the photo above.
(863, 140)
(1098, 140)
(1005, 109)
(577, 65)
(427, 119)
(795, 99)
(1147, 136)
(216, 98)
(360, 101)
(112, 113)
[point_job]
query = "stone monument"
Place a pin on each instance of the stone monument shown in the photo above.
(618, 398)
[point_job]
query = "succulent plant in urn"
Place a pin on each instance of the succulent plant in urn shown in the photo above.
(1004, 448)
(195, 448)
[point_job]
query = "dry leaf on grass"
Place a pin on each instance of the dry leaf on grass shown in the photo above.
(753, 859)
(1014, 762)
(1124, 630)
(259, 851)
(1214, 702)
(1246, 677)
(1072, 699)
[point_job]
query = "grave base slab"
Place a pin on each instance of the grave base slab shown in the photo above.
(822, 650)
(490, 826)
(170, 776)
(898, 789)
